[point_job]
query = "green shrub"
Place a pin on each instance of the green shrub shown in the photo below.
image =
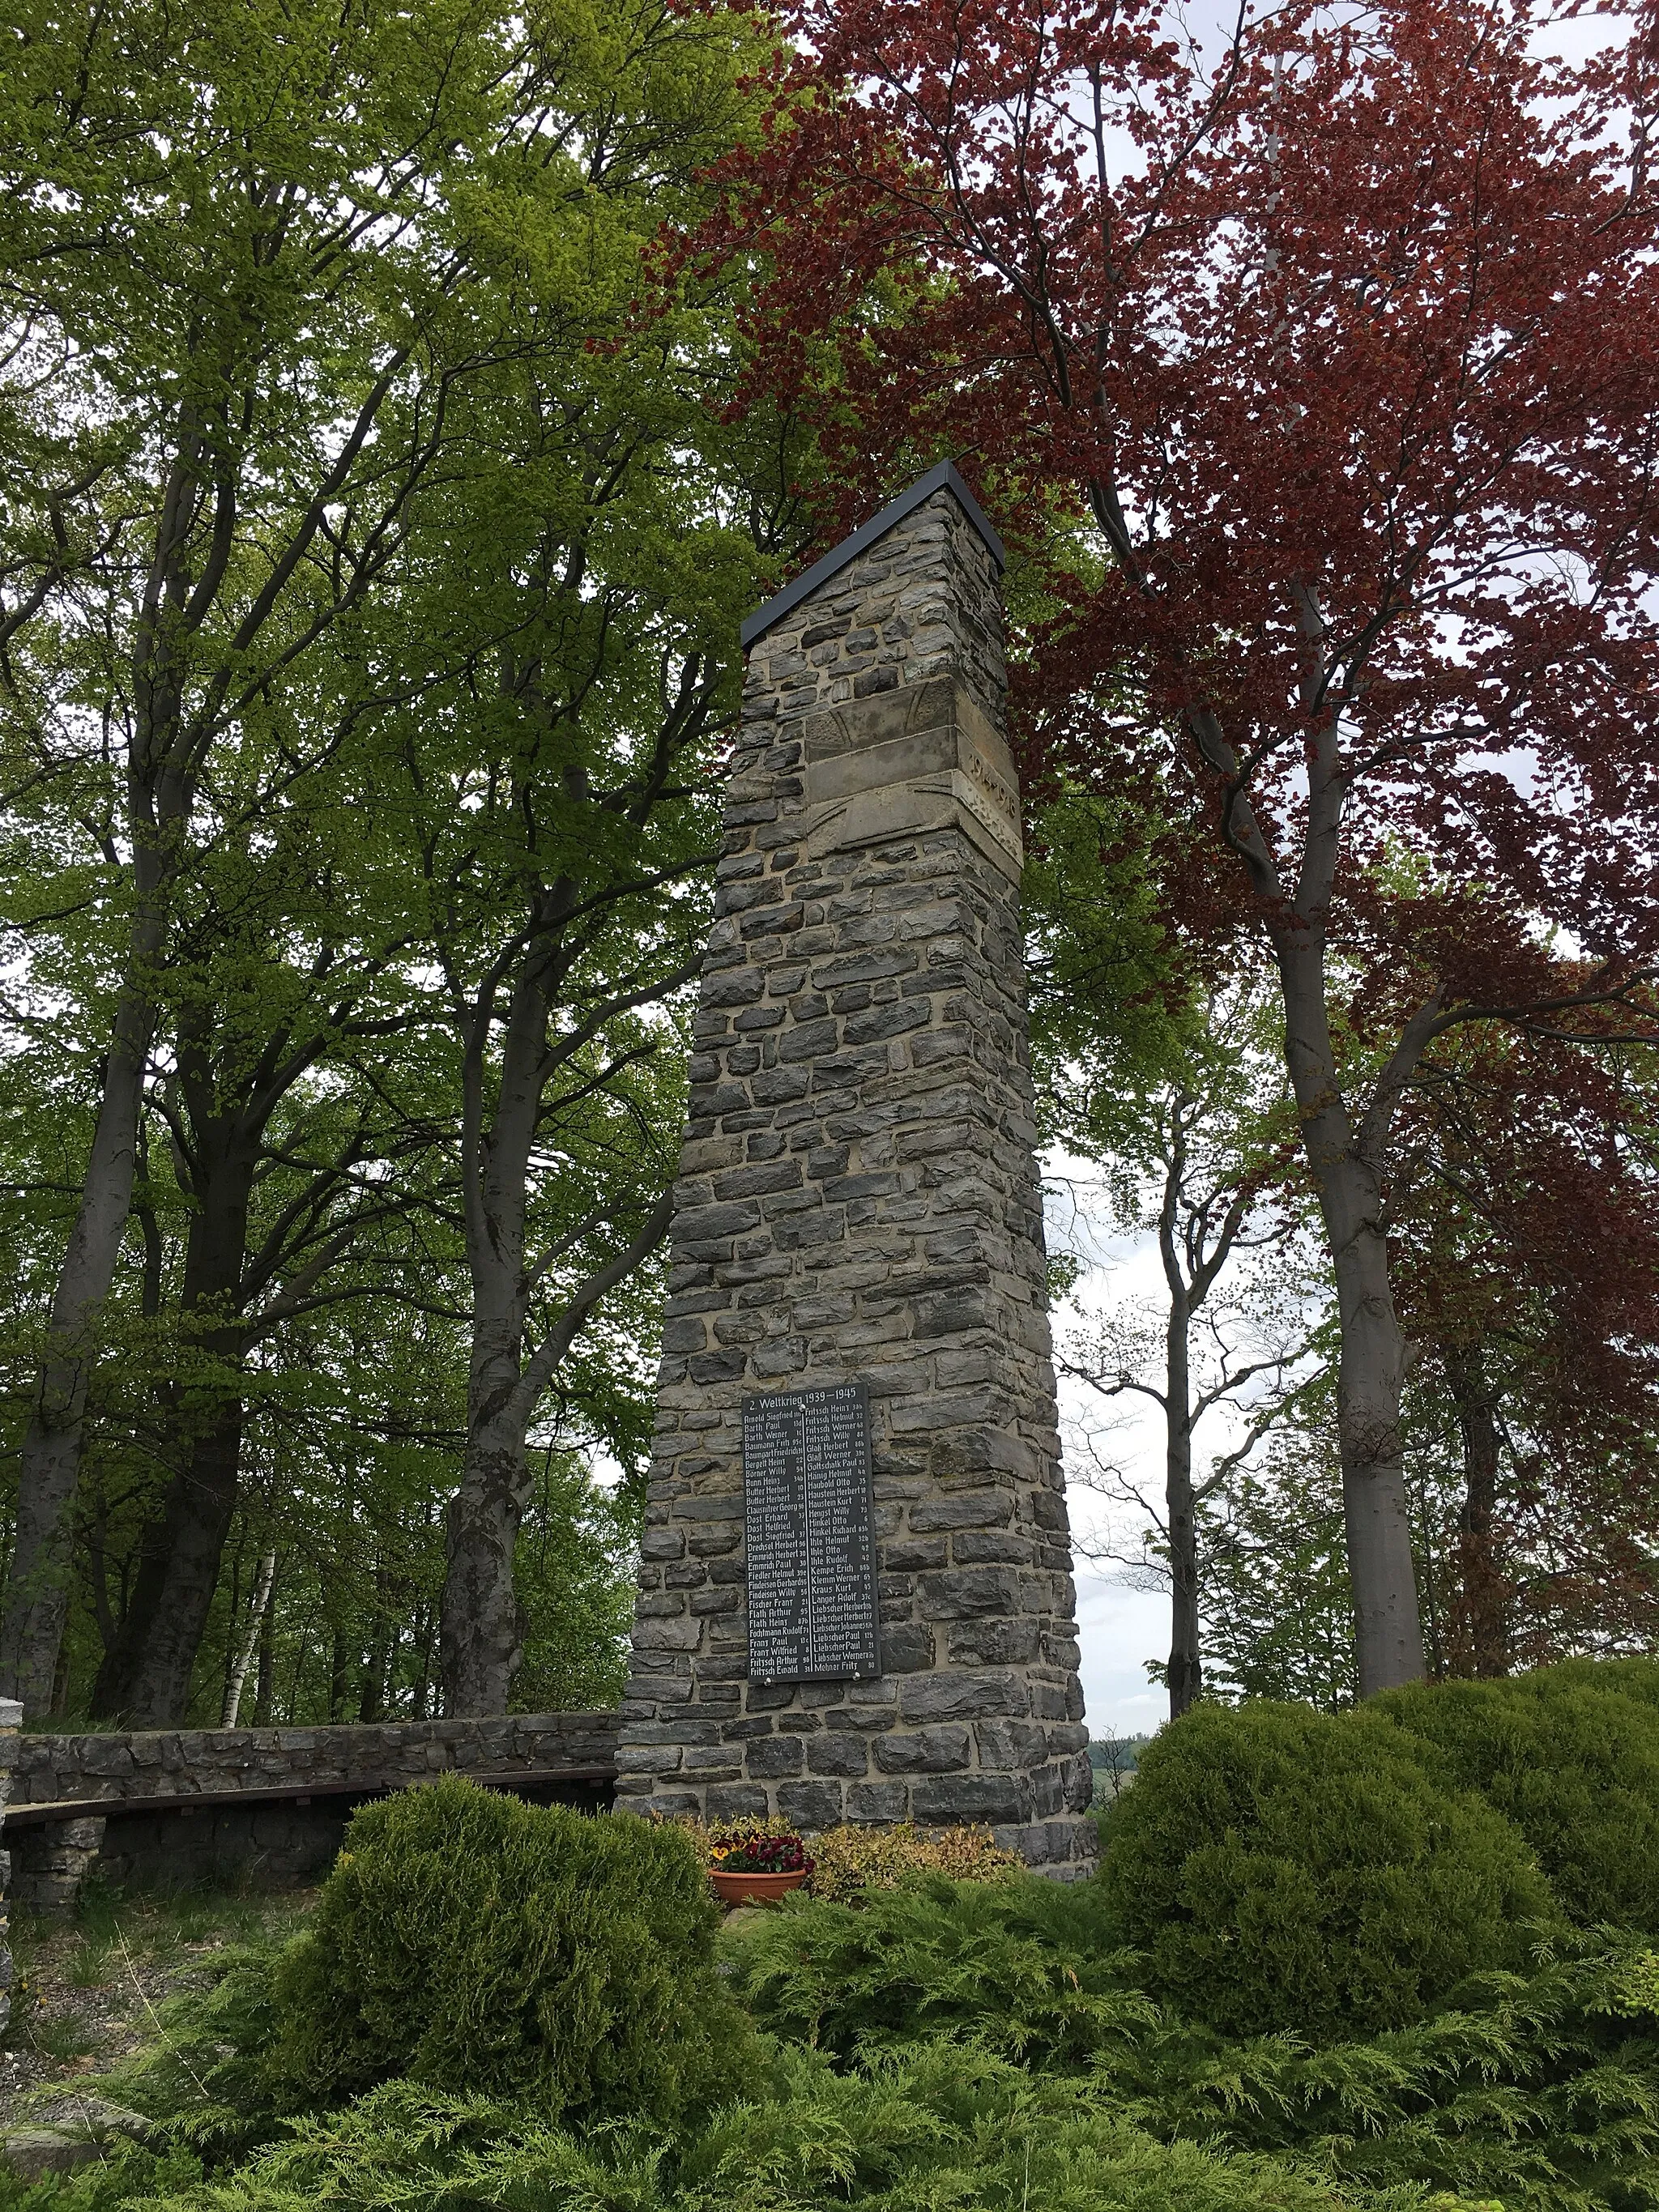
(468, 1942)
(1279, 1868)
(1570, 1756)
(1023, 1967)
(1539, 2090)
(939, 2127)
(1630, 1678)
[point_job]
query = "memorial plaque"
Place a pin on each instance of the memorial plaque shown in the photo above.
(810, 1527)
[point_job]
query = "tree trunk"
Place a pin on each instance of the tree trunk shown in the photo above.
(1483, 1591)
(371, 1705)
(254, 1635)
(1375, 1510)
(340, 1673)
(1388, 1625)
(1186, 1673)
(172, 1595)
(479, 1642)
(1345, 1163)
(37, 1595)
(265, 1688)
(145, 1679)
(157, 807)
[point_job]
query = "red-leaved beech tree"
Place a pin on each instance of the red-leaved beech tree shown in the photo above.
(1523, 1216)
(1334, 364)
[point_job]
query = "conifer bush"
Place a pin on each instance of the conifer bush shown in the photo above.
(1570, 1756)
(1281, 1868)
(1021, 1966)
(468, 1942)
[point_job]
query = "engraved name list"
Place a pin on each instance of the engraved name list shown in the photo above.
(810, 1542)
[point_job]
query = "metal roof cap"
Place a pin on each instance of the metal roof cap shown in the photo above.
(943, 477)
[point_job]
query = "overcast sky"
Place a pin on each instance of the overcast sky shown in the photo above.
(1120, 1628)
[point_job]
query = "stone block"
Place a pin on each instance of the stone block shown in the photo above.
(810, 1806)
(993, 1643)
(737, 1801)
(667, 1635)
(773, 1758)
(1012, 1745)
(922, 1751)
(885, 1802)
(945, 1800)
(982, 1507)
(968, 1590)
(953, 1695)
(844, 1751)
(907, 1647)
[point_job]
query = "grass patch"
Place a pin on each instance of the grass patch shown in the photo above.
(63, 2035)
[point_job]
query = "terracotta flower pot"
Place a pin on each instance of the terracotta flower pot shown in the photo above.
(753, 1888)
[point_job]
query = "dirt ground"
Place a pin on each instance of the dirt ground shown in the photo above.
(85, 1992)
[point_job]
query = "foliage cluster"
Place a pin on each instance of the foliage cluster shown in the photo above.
(370, 619)
(477, 2002)
(765, 1852)
(471, 1943)
(1572, 1761)
(850, 1859)
(1282, 1869)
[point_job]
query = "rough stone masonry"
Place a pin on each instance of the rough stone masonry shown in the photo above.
(858, 1200)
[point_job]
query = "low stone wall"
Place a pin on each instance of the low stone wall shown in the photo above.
(116, 1768)
(142, 1826)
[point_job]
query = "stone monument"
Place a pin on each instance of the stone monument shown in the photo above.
(855, 1594)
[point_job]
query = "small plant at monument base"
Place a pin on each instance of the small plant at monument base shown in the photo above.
(784, 1854)
(755, 1865)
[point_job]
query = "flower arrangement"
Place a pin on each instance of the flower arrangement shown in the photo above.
(759, 1854)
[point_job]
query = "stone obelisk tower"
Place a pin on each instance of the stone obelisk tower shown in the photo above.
(859, 1202)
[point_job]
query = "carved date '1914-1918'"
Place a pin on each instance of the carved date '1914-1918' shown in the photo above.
(811, 1539)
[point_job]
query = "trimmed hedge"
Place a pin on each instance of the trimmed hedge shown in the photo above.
(468, 1942)
(1570, 1756)
(1280, 1868)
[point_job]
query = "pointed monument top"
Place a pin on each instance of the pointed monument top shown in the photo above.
(943, 478)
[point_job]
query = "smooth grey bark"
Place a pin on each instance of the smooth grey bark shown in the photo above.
(37, 1593)
(519, 1026)
(1192, 1258)
(146, 1675)
(1345, 1163)
(1185, 1672)
(264, 1687)
(479, 1640)
(1345, 1154)
(157, 802)
(479, 1637)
